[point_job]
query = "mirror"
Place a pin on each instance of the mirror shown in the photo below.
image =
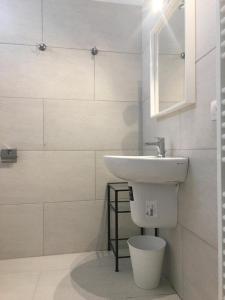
(173, 59)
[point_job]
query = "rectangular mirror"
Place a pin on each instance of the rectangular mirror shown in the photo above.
(173, 59)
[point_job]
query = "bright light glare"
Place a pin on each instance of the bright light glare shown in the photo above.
(157, 5)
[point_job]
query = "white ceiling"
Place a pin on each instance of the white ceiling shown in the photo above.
(132, 2)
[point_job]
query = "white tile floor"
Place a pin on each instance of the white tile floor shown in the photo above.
(83, 276)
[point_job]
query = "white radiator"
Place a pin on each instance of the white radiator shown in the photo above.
(221, 144)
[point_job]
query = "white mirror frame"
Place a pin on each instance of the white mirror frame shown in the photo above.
(190, 46)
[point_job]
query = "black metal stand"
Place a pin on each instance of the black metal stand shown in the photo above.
(113, 243)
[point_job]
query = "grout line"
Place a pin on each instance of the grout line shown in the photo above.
(43, 229)
(185, 149)
(23, 203)
(91, 100)
(182, 262)
(18, 44)
(88, 49)
(52, 202)
(36, 285)
(43, 122)
(67, 48)
(203, 56)
(106, 150)
(3, 98)
(199, 237)
(194, 149)
(13, 98)
(120, 52)
(95, 179)
(75, 150)
(94, 88)
(42, 21)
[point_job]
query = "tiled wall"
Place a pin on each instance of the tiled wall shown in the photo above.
(192, 246)
(64, 109)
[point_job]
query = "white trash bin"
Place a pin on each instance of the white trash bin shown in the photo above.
(147, 253)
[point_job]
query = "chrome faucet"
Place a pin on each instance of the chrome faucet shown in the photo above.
(160, 145)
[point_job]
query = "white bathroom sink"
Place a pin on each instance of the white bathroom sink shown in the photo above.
(153, 185)
(148, 169)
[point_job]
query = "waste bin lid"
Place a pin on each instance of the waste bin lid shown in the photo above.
(147, 242)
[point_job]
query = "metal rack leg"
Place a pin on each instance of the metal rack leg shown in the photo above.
(156, 232)
(116, 234)
(142, 231)
(109, 221)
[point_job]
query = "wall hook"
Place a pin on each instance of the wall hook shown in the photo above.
(182, 55)
(42, 47)
(94, 51)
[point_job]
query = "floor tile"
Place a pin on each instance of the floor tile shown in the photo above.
(82, 276)
(45, 263)
(19, 286)
(94, 279)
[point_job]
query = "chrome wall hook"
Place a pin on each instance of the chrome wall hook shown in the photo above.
(182, 55)
(94, 51)
(42, 47)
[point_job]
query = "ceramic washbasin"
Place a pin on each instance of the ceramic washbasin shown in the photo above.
(148, 169)
(153, 184)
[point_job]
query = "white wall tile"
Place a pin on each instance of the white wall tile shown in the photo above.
(48, 176)
(20, 21)
(197, 129)
(69, 175)
(117, 27)
(59, 73)
(117, 77)
(197, 197)
(74, 227)
(146, 74)
(149, 19)
(22, 182)
(21, 231)
(54, 73)
(76, 32)
(191, 129)
(163, 127)
(103, 176)
(21, 123)
(171, 79)
(199, 269)
(91, 125)
(205, 26)
(90, 23)
(173, 258)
